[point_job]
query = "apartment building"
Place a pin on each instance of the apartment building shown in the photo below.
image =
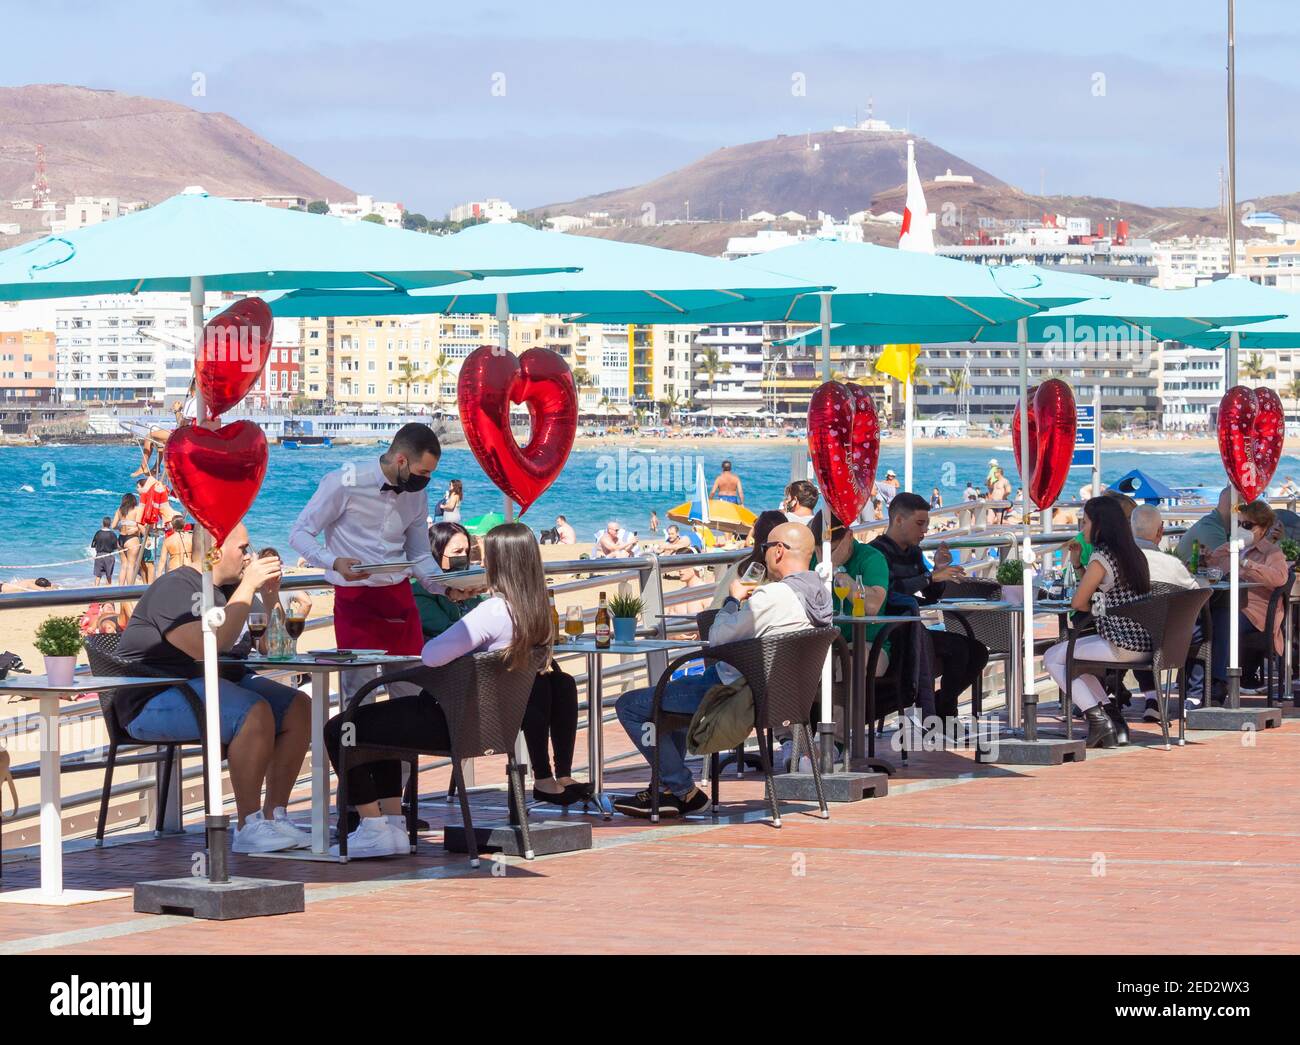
(123, 348)
(28, 366)
(1191, 383)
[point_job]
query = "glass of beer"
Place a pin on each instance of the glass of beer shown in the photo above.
(573, 625)
(754, 575)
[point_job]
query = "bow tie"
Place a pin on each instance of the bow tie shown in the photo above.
(390, 486)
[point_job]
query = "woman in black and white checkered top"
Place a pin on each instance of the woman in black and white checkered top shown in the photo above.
(1117, 573)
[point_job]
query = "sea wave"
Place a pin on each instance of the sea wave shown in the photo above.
(26, 488)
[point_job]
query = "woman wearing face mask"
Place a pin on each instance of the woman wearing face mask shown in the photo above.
(450, 545)
(1262, 562)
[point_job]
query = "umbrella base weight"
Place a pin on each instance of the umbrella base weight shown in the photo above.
(1234, 719)
(1049, 752)
(837, 787)
(548, 838)
(237, 898)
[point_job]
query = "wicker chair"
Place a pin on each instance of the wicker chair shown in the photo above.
(780, 672)
(484, 702)
(1260, 643)
(101, 651)
(1169, 616)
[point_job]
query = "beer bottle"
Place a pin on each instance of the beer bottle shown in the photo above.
(602, 624)
(555, 617)
(1195, 562)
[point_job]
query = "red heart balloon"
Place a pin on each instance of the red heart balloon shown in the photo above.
(1252, 428)
(490, 380)
(217, 474)
(1052, 423)
(844, 442)
(236, 345)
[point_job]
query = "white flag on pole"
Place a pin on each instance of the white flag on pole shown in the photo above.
(917, 234)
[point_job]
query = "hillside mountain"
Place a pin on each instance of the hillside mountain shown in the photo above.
(836, 172)
(104, 143)
(843, 172)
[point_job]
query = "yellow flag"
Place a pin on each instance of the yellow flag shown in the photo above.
(898, 361)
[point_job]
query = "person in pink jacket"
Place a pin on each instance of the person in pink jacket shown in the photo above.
(1264, 565)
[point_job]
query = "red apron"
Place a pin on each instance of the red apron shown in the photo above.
(378, 617)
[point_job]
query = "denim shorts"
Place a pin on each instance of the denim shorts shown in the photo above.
(168, 715)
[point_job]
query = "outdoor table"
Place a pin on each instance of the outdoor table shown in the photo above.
(856, 744)
(37, 687)
(586, 644)
(319, 667)
(1015, 662)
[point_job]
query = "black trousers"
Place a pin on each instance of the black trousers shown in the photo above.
(959, 660)
(552, 713)
(415, 722)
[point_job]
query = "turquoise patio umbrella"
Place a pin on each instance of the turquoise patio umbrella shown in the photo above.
(245, 247)
(195, 243)
(1280, 331)
(618, 282)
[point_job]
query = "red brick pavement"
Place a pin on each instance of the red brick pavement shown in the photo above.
(1139, 850)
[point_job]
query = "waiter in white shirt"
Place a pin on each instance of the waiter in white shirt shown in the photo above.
(376, 513)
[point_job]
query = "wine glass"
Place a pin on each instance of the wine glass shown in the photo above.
(843, 585)
(573, 625)
(257, 628)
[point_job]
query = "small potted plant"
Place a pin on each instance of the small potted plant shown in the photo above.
(625, 608)
(1290, 549)
(59, 639)
(1011, 575)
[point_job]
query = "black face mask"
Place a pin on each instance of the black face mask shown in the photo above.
(411, 483)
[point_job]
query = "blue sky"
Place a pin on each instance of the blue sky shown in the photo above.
(435, 103)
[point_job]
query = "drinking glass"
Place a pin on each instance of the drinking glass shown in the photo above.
(754, 575)
(257, 628)
(1214, 574)
(573, 625)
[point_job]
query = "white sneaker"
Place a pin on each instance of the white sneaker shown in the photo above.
(375, 837)
(301, 839)
(397, 822)
(259, 835)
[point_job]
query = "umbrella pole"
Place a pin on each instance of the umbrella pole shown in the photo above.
(908, 416)
(1026, 551)
(503, 348)
(218, 823)
(826, 729)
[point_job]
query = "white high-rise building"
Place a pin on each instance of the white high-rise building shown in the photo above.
(738, 386)
(124, 348)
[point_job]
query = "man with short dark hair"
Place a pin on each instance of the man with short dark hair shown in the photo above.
(104, 545)
(368, 514)
(727, 486)
(800, 502)
(959, 660)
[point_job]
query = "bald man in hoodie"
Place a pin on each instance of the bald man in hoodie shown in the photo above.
(794, 598)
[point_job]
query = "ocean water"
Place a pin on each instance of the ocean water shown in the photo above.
(55, 496)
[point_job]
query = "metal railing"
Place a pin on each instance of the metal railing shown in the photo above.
(585, 574)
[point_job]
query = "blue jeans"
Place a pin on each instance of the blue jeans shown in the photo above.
(168, 716)
(681, 697)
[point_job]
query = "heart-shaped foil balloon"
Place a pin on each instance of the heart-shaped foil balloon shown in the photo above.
(1052, 423)
(844, 442)
(217, 474)
(236, 346)
(490, 381)
(1252, 429)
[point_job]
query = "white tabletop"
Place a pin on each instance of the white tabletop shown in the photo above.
(587, 644)
(37, 685)
(321, 662)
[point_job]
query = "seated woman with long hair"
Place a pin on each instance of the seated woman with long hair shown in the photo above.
(515, 618)
(1118, 569)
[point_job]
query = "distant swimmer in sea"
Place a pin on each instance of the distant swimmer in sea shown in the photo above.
(727, 486)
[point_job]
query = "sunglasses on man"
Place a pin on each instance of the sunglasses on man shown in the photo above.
(773, 544)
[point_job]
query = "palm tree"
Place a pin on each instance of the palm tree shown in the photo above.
(958, 383)
(668, 404)
(410, 375)
(1254, 367)
(710, 364)
(582, 380)
(1292, 392)
(438, 373)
